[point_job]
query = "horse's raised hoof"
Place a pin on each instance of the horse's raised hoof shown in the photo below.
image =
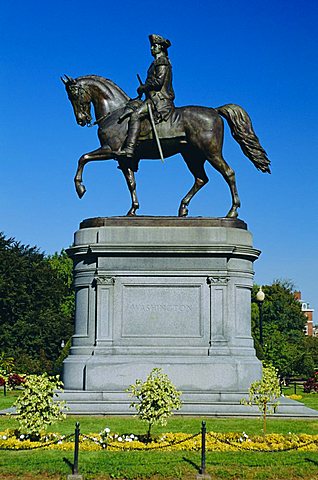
(183, 211)
(80, 189)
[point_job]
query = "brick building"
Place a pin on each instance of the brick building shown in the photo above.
(310, 330)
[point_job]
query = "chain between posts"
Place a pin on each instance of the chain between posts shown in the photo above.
(48, 444)
(117, 447)
(235, 444)
(77, 436)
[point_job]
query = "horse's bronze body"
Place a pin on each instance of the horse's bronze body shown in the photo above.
(194, 132)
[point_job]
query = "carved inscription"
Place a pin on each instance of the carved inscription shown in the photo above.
(140, 307)
(161, 311)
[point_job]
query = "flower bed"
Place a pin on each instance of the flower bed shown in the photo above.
(222, 442)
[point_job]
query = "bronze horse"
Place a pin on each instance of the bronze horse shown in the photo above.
(194, 132)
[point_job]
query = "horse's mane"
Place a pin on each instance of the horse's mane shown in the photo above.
(111, 89)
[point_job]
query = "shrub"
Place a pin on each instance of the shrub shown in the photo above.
(15, 380)
(311, 385)
(157, 398)
(264, 392)
(2, 382)
(36, 407)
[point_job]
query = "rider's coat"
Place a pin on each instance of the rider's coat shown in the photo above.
(158, 87)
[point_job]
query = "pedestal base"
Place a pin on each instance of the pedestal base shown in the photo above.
(162, 292)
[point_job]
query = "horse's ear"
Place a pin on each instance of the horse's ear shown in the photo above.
(67, 79)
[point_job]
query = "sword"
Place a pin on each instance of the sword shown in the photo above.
(153, 125)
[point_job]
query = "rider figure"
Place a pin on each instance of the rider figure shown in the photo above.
(158, 91)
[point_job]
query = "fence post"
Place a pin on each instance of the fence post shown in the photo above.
(203, 434)
(202, 474)
(75, 475)
(76, 447)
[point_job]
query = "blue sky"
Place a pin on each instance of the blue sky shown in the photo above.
(259, 54)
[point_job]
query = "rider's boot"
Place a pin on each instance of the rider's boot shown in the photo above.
(132, 138)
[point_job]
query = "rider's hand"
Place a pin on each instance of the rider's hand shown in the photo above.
(141, 89)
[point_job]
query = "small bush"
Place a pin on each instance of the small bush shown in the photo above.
(311, 385)
(15, 380)
(36, 407)
(264, 392)
(157, 398)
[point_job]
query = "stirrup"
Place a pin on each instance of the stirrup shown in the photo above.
(124, 153)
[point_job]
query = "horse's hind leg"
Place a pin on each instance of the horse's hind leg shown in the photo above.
(195, 164)
(131, 183)
(217, 161)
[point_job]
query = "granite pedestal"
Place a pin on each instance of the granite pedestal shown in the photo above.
(162, 292)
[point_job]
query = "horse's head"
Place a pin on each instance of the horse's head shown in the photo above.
(80, 99)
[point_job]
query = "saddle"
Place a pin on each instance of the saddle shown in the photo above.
(166, 129)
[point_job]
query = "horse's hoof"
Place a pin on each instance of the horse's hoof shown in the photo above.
(183, 211)
(132, 212)
(80, 189)
(232, 213)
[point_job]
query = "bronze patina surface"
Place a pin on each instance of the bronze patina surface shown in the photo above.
(133, 129)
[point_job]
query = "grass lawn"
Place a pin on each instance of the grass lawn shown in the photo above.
(8, 400)
(309, 399)
(159, 465)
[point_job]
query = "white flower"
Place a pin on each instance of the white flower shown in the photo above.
(4, 437)
(59, 442)
(22, 436)
(120, 439)
(107, 430)
(132, 436)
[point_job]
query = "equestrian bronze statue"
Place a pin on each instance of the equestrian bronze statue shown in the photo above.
(133, 129)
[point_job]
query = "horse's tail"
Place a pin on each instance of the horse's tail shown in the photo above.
(242, 131)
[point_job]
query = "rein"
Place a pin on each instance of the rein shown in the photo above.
(98, 120)
(103, 117)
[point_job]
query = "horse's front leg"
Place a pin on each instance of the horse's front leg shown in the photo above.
(99, 154)
(131, 183)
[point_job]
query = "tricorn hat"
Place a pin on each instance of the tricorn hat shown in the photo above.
(159, 40)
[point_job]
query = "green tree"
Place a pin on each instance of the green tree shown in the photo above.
(37, 407)
(312, 350)
(284, 340)
(157, 397)
(36, 312)
(264, 392)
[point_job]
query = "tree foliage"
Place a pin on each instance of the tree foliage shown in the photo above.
(36, 305)
(264, 392)
(284, 340)
(157, 397)
(36, 406)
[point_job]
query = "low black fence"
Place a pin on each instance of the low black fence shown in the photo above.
(76, 437)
